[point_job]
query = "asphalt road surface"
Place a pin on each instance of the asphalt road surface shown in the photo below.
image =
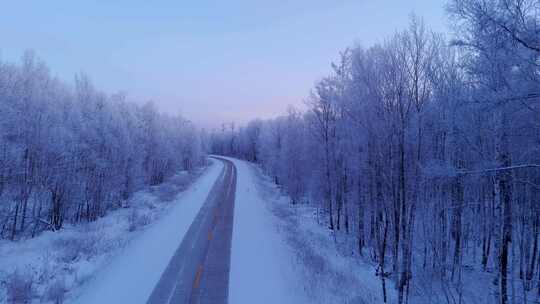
(199, 269)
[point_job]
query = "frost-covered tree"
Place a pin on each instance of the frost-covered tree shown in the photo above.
(426, 152)
(70, 153)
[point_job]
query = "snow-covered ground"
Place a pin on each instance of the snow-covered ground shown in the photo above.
(282, 244)
(117, 259)
(279, 253)
(133, 273)
(260, 259)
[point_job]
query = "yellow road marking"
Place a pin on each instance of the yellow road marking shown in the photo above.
(198, 277)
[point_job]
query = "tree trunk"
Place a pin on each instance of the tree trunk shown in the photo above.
(505, 189)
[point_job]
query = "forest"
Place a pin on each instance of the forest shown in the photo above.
(71, 153)
(425, 150)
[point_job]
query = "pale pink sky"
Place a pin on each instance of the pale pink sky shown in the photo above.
(212, 61)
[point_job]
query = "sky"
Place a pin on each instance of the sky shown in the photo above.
(208, 60)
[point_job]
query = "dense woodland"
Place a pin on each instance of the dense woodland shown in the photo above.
(70, 153)
(424, 149)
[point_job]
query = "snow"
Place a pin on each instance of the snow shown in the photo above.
(132, 274)
(128, 247)
(281, 254)
(71, 255)
(260, 260)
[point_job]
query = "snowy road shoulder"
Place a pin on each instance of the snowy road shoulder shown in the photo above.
(280, 254)
(132, 274)
(260, 261)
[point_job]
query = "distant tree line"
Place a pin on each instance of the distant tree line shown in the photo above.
(427, 150)
(70, 153)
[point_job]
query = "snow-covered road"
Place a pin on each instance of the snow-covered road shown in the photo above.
(131, 276)
(260, 265)
(199, 270)
(261, 269)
